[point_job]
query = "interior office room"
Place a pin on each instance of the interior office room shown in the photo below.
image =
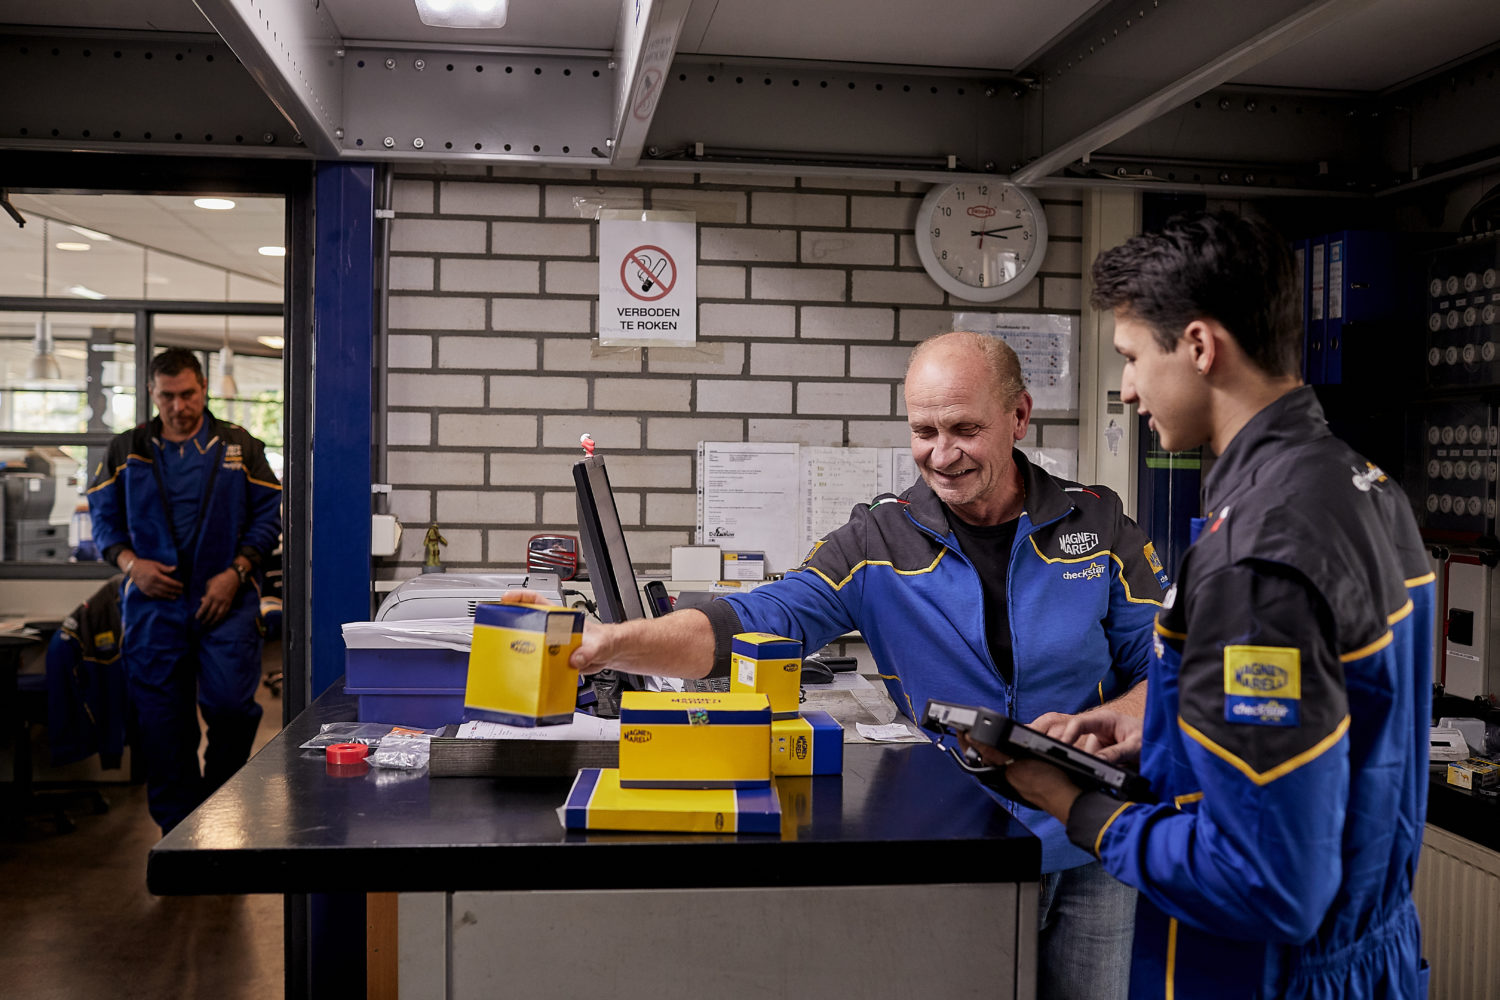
(423, 262)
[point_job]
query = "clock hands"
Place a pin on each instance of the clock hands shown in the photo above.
(982, 233)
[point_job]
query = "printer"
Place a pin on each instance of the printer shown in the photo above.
(456, 595)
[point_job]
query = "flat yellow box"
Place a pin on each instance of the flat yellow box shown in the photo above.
(518, 666)
(598, 802)
(770, 665)
(812, 743)
(691, 739)
(1473, 773)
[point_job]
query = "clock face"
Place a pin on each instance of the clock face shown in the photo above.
(981, 240)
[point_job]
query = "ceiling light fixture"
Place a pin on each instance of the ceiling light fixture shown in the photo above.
(73, 247)
(43, 364)
(84, 292)
(273, 251)
(462, 13)
(91, 234)
(214, 204)
(228, 388)
(274, 343)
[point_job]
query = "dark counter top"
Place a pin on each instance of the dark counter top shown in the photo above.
(899, 814)
(1473, 816)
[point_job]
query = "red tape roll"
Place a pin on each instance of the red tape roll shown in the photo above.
(347, 753)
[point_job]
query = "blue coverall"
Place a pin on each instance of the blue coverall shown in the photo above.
(196, 505)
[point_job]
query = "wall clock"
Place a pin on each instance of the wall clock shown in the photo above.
(981, 240)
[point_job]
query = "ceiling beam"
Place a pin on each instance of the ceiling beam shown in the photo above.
(294, 52)
(1135, 61)
(646, 43)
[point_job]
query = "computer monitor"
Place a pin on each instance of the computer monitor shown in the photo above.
(610, 574)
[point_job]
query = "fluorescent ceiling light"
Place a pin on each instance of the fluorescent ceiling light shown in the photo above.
(214, 204)
(84, 292)
(274, 343)
(96, 237)
(72, 247)
(273, 251)
(462, 13)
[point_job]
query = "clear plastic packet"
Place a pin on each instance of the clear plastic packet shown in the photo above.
(360, 732)
(402, 749)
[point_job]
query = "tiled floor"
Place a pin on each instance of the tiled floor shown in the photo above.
(76, 920)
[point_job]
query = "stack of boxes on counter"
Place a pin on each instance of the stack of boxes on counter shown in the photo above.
(708, 762)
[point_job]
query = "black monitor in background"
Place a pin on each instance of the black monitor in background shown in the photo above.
(610, 572)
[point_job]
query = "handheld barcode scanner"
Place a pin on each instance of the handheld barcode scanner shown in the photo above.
(992, 729)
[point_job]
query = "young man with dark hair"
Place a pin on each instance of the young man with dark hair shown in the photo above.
(1287, 715)
(186, 506)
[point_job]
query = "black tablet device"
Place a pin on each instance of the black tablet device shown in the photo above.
(992, 729)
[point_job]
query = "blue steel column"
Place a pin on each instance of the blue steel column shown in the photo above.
(339, 529)
(343, 343)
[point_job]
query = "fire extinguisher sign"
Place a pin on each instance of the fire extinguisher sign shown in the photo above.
(648, 288)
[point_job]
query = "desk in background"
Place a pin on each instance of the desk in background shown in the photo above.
(900, 875)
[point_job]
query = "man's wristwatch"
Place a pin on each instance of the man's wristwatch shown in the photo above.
(241, 571)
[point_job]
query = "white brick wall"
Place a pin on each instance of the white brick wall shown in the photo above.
(810, 298)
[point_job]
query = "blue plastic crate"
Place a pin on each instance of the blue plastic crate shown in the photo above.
(418, 708)
(406, 667)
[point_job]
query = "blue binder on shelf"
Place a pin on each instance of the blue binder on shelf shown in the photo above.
(1317, 308)
(1361, 289)
(1299, 267)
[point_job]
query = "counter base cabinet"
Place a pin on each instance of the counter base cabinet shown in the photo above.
(660, 944)
(1458, 896)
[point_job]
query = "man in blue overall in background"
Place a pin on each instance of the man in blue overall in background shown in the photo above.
(187, 507)
(1287, 717)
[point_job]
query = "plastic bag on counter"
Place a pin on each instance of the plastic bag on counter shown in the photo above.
(361, 732)
(402, 749)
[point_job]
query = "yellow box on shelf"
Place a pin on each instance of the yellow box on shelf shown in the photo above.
(770, 665)
(598, 802)
(690, 739)
(1473, 773)
(518, 665)
(812, 743)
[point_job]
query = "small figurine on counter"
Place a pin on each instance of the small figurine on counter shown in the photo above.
(431, 542)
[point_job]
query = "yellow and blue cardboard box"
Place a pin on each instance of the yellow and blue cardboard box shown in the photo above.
(770, 665)
(518, 665)
(598, 802)
(691, 739)
(812, 743)
(1473, 773)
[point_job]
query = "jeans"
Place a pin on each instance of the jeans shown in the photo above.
(1085, 927)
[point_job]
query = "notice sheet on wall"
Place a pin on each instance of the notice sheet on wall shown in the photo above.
(781, 498)
(1047, 347)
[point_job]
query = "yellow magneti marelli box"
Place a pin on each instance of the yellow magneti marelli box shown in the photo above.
(770, 665)
(812, 743)
(518, 666)
(688, 739)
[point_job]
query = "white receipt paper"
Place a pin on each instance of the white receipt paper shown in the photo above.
(891, 732)
(583, 727)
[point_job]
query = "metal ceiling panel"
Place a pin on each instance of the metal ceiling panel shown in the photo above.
(978, 34)
(430, 104)
(643, 59)
(1385, 45)
(556, 24)
(1132, 63)
(292, 50)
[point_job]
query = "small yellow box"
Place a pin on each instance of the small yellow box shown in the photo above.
(518, 666)
(597, 801)
(770, 665)
(812, 743)
(689, 739)
(1473, 773)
